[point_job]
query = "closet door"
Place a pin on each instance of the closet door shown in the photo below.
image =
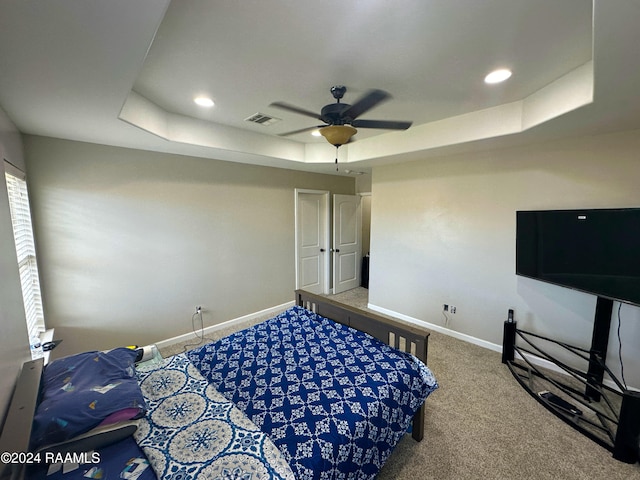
(312, 238)
(347, 242)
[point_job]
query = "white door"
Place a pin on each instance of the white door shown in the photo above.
(347, 242)
(312, 239)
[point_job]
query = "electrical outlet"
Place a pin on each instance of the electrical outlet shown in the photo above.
(445, 308)
(452, 309)
(198, 309)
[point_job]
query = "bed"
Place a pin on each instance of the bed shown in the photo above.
(322, 390)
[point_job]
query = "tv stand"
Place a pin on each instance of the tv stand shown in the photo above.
(612, 416)
(598, 351)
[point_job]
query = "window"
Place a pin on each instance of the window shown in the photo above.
(25, 249)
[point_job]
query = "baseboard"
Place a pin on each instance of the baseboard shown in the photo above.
(438, 328)
(540, 362)
(272, 311)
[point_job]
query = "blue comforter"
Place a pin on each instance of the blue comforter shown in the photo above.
(334, 400)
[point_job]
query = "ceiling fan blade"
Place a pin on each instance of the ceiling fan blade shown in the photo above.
(302, 130)
(365, 103)
(387, 124)
(294, 109)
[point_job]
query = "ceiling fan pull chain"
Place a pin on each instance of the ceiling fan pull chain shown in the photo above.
(337, 157)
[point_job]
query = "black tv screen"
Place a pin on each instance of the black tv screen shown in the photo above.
(595, 251)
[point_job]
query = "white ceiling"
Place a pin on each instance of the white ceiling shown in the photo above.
(125, 73)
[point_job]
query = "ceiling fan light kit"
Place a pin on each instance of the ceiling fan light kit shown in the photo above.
(338, 135)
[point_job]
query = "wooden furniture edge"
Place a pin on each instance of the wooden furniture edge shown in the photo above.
(16, 431)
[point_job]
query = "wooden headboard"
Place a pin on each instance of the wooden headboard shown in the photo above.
(399, 335)
(16, 431)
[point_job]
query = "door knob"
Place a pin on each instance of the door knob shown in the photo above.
(322, 250)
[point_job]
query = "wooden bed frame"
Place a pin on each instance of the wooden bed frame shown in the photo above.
(16, 431)
(404, 337)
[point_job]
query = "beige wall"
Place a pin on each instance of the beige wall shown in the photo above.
(131, 241)
(443, 231)
(14, 342)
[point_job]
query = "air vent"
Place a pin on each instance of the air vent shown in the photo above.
(262, 119)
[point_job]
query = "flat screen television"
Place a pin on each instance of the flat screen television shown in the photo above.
(595, 251)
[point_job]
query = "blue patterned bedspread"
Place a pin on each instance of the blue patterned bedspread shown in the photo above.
(334, 400)
(191, 431)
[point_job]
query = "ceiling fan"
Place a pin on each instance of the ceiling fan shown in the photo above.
(341, 119)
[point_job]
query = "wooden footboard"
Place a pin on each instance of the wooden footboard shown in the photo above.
(399, 335)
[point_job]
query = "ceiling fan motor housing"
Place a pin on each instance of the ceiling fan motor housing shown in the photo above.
(332, 114)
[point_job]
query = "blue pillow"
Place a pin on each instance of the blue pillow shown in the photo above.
(80, 391)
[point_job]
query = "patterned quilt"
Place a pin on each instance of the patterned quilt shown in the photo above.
(191, 431)
(334, 400)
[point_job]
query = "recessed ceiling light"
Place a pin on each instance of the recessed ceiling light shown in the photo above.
(316, 133)
(203, 101)
(498, 76)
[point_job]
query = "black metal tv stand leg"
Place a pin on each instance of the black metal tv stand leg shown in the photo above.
(626, 446)
(598, 352)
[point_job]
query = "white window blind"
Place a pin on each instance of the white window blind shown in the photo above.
(25, 248)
